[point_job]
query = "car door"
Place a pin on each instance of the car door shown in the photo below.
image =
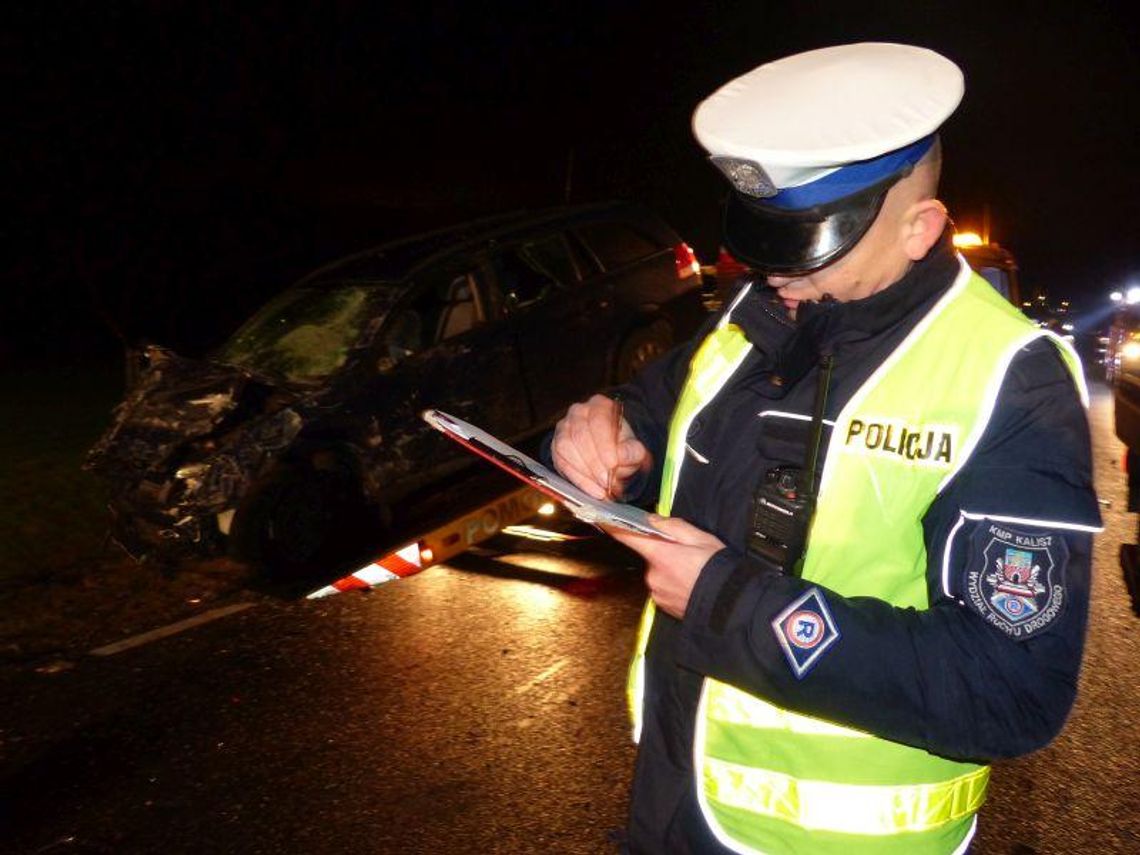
(445, 346)
(557, 321)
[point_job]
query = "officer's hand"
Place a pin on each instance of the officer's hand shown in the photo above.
(590, 443)
(672, 568)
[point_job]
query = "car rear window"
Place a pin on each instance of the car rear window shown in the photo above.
(551, 255)
(616, 244)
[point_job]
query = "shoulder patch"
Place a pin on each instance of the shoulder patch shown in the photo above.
(805, 630)
(1016, 579)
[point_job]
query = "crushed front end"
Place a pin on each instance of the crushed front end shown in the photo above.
(184, 446)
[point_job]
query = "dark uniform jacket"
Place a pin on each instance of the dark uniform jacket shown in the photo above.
(954, 679)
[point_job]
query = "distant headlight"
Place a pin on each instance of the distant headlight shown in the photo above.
(1131, 350)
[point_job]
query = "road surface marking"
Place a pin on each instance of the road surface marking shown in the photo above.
(169, 629)
(549, 672)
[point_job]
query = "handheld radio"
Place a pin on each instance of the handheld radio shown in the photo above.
(784, 502)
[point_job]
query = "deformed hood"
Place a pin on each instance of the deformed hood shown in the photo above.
(176, 400)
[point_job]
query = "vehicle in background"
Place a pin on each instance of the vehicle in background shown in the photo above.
(991, 261)
(997, 265)
(1122, 370)
(994, 263)
(723, 278)
(298, 445)
(1122, 349)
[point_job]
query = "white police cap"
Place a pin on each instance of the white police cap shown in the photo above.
(812, 142)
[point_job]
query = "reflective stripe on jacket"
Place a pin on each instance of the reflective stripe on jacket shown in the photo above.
(769, 779)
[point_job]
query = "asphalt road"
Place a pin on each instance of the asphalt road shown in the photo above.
(476, 707)
(1082, 793)
(472, 708)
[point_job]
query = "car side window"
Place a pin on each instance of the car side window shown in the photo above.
(445, 303)
(459, 308)
(616, 244)
(585, 260)
(530, 271)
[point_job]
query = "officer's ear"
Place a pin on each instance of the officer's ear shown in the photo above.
(923, 224)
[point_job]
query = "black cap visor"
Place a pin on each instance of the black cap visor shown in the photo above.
(786, 242)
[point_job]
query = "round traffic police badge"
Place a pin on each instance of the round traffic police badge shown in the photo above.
(804, 629)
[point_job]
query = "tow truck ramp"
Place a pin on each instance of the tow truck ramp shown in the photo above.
(446, 541)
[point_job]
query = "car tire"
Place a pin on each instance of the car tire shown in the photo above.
(641, 347)
(301, 522)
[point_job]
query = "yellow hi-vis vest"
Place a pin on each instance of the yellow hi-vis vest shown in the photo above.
(770, 780)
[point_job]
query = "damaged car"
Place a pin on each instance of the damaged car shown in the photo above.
(297, 445)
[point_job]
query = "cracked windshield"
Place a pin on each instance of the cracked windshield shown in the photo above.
(306, 334)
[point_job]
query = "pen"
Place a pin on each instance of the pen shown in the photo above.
(610, 481)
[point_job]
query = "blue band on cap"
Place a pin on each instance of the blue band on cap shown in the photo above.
(851, 178)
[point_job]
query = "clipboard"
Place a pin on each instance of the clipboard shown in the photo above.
(582, 505)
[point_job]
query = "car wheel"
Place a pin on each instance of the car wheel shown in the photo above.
(641, 347)
(301, 521)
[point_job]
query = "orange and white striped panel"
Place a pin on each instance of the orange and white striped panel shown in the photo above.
(405, 561)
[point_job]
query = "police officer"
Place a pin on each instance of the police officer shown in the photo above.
(875, 477)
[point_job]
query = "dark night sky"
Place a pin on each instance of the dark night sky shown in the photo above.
(172, 164)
